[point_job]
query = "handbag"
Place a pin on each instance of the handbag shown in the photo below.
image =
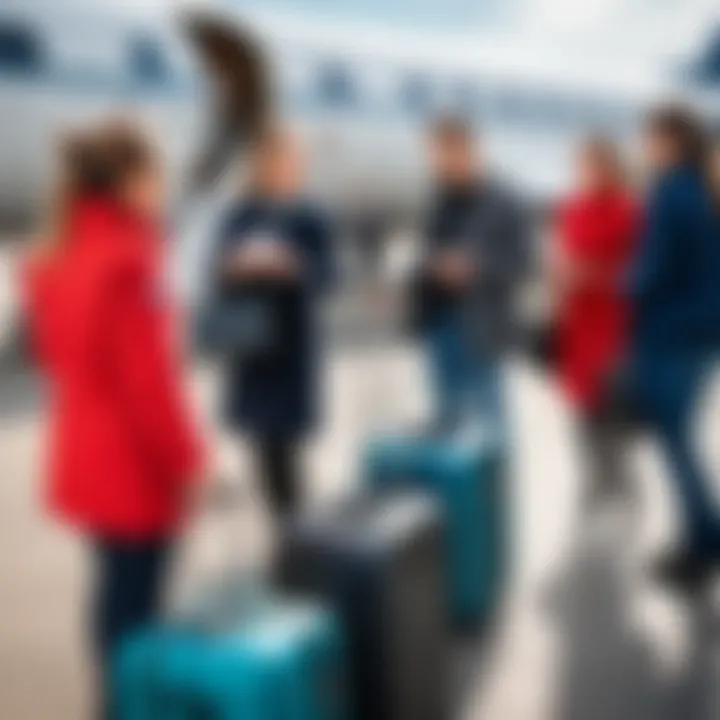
(542, 344)
(246, 321)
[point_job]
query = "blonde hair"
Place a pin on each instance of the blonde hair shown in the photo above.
(606, 152)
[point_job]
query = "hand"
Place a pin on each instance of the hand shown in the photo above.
(455, 269)
(269, 261)
(281, 262)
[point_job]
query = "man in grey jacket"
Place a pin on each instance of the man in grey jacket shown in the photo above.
(477, 251)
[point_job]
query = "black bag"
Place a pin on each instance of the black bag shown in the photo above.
(247, 321)
(542, 346)
(379, 561)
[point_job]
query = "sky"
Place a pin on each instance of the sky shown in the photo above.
(645, 25)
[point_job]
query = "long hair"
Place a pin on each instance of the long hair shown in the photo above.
(715, 169)
(95, 163)
(606, 152)
(686, 129)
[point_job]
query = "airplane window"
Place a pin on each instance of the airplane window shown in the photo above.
(335, 86)
(708, 69)
(713, 65)
(465, 96)
(148, 62)
(552, 109)
(511, 106)
(416, 94)
(20, 49)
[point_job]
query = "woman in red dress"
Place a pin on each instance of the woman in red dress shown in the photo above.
(123, 453)
(597, 230)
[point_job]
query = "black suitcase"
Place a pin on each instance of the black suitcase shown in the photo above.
(379, 560)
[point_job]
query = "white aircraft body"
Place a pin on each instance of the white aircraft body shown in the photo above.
(203, 78)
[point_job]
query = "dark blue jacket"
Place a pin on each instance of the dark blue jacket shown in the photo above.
(675, 287)
(280, 397)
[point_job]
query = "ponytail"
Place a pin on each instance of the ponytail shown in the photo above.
(93, 164)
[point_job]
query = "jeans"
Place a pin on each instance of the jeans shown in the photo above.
(128, 596)
(672, 385)
(467, 385)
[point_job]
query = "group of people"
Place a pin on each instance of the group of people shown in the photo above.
(635, 286)
(634, 328)
(638, 317)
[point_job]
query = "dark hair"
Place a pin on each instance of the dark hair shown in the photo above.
(100, 161)
(96, 163)
(452, 128)
(686, 128)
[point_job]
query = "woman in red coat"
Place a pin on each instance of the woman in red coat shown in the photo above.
(597, 229)
(122, 450)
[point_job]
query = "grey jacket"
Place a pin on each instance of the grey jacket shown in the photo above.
(490, 223)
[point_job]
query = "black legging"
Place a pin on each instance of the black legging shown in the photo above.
(277, 465)
(130, 579)
(605, 444)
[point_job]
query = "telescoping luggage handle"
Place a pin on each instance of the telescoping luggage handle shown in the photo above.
(233, 587)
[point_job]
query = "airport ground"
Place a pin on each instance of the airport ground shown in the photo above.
(584, 634)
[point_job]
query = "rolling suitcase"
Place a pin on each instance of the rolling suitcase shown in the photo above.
(465, 472)
(378, 560)
(284, 660)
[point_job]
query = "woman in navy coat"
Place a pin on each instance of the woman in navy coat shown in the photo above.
(676, 292)
(275, 232)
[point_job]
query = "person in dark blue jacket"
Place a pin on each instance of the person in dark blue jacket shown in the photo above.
(276, 233)
(676, 292)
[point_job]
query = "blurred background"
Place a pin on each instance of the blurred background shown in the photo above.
(583, 635)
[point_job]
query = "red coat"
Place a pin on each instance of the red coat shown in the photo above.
(599, 234)
(121, 445)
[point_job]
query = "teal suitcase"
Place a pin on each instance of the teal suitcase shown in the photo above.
(466, 472)
(286, 661)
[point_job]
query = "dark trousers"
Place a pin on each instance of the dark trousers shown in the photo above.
(278, 467)
(672, 384)
(674, 424)
(130, 579)
(604, 441)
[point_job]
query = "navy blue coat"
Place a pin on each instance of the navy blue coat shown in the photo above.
(675, 288)
(279, 398)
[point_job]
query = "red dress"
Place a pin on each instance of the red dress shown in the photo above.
(599, 232)
(121, 445)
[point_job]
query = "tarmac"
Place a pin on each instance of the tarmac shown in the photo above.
(584, 633)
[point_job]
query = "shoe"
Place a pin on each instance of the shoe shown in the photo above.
(685, 569)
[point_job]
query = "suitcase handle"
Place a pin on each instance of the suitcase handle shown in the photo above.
(217, 585)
